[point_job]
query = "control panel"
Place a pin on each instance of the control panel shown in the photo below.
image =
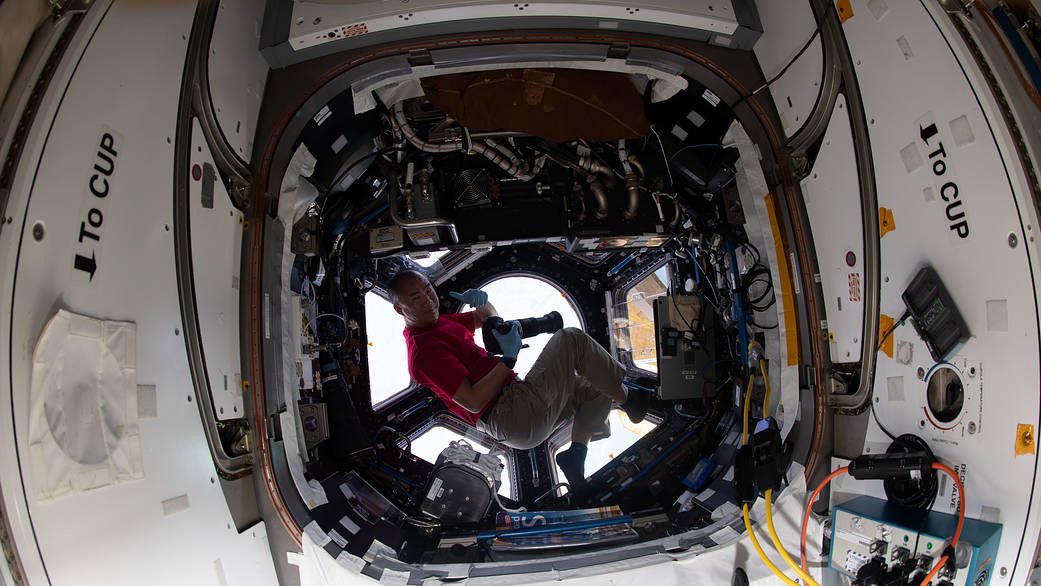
(875, 541)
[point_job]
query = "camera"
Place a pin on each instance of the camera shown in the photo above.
(531, 326)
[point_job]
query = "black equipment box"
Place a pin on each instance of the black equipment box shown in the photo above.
(686, 349)
(934, 315)
(457, 494)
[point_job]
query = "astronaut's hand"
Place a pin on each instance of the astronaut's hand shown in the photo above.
(471, 297)
(509, 342)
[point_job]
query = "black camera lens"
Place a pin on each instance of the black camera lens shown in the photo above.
(530, 326)
(546, 324)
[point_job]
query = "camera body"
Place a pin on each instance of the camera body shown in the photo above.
(531, 326)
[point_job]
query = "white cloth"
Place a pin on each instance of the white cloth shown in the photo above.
(83, 430)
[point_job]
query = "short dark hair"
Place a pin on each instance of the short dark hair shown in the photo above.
(395, 282)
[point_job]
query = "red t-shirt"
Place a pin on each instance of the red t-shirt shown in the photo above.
(442, 355)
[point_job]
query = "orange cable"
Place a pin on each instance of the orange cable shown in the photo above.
(809, 504)
(961, 518)
(935, 466)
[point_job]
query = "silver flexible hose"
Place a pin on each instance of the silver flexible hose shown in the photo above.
(499, 155)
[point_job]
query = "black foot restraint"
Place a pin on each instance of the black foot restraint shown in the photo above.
(573, 462)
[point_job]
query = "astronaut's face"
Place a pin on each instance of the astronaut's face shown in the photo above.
(417, 301)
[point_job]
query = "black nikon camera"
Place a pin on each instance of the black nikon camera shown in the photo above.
(529, 327)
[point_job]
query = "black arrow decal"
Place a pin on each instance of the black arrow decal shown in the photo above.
(927, 132)
(87, 265)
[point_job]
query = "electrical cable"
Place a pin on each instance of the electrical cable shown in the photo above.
(310, 287)
(662, 147)
(747, 408)
(804, 574)
(408, 442)
(809, 505)
(759, 274)
(766, 382)
(684, 414)
(879, 423)
(336, 181)
(689, 324)
(769, 82)
(424, 524)
(496, 452)
(504, 507)
(551, 490)
(912, 493)
(346, 333)
(694, 146)
(759, 549)
(935, 466)
(893, 328)
(961, 518)
(711, 282)
(694, 260)
(769, 493)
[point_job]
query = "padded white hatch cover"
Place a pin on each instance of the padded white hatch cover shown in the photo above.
(83, 430)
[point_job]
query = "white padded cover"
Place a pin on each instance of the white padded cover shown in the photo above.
(83, 430)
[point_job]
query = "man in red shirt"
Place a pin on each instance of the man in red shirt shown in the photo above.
(573, 377)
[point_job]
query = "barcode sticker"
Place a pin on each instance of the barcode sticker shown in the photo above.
(435, 486)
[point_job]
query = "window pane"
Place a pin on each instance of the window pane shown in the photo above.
(430, 260)
(624, 433)
(429, 445)
(522, 297)
(388, 363)
(634, 319)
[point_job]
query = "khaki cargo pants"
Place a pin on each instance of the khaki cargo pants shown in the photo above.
(572, 377)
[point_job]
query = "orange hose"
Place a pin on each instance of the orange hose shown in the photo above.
(961, 518)
(809, 504)
(935, 466)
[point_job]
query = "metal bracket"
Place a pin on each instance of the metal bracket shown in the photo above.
(420, 57)
(274, 427)
(800, 163)
(60, 8)
(958, 6)
(618, 51)
(240, 194)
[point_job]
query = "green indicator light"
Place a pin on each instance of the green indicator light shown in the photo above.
(905, 539)
(928, 546)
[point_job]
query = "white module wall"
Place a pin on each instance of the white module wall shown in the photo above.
(118, 85)
(238, 73)
(216, 243)
(787, 27)
(948, 175)
(832, 198)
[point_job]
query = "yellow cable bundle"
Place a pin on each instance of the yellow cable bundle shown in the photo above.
(748, 403)
(769, 493)
(777, 542)
(766, 382)
(762, 554)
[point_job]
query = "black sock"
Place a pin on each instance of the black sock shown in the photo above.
(634, 406)
(573, 462)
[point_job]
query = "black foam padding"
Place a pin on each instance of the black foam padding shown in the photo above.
(457, 494)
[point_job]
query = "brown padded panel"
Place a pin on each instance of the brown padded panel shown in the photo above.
(556, 104)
